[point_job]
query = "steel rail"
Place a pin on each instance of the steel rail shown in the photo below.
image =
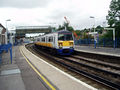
(96, 62)
(92, 67)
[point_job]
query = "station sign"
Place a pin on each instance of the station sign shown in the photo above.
(109, 28)
(93, 33)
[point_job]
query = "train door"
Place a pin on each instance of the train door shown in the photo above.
(46, 42)
(54, 41)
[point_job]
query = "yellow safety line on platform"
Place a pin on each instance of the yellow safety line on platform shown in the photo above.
(37, 72)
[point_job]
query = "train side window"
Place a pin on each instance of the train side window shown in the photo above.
(43, 39)
(38, 39)
(50, 39)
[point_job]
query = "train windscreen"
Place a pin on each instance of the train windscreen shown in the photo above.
(65, 36)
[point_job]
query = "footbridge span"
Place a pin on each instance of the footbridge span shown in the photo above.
(22, 30)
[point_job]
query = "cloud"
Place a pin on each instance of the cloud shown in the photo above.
(24, 3)
(43, 12)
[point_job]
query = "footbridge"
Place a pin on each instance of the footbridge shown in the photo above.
(22, 30)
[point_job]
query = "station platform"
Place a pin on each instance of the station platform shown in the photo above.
(29, 72)
(99, 50)
(18, 75)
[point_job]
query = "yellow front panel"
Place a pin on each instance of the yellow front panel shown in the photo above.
(65, 43)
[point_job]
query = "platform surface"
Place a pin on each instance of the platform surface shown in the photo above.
(99, 50)
(58, 78)
(21, 76)
(18, 75)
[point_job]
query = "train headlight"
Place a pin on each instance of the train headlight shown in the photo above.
(60, 45)
(71, 43)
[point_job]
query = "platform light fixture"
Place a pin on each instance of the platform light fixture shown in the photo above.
(94, 31)
(7, 31)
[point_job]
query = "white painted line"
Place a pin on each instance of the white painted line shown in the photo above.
(73, 78)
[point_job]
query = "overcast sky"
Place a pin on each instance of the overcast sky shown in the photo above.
(52, 12)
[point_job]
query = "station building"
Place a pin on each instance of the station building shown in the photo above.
(3, 35)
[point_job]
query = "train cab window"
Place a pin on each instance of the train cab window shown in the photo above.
(61, 37)
(65, 36)
(69, 37)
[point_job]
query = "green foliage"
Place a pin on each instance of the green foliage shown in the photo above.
(69, 28)
(85, 35)
(114, 16)
(99, 29)
(60, 28)
(78, 32)
(109, 34)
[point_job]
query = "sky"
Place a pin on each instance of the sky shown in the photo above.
(52, 12)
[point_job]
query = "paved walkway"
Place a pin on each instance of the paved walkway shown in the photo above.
(99, 50)
(10, 74)
(18, 75)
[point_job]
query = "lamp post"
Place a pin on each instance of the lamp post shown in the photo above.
(94, 31)
(7, 31)
(94, 22)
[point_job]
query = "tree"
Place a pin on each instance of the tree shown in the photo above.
(60, 28)
(114, 16)
(69, 28)
(99, 29)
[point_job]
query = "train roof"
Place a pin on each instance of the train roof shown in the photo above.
(61, 31)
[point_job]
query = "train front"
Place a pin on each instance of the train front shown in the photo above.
(65, 43)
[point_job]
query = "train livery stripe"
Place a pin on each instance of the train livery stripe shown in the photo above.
(46, 81)
(44, 44)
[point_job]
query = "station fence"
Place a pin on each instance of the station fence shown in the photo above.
(6, 48)
(104, 42)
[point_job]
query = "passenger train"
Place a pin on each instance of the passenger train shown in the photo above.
(60, 42)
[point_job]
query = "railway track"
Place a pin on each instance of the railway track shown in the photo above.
(88, 68)
(90, 71)
(97, 62)
(104, 58)
(102, 67)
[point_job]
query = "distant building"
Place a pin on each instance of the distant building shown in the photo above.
(3, 35)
